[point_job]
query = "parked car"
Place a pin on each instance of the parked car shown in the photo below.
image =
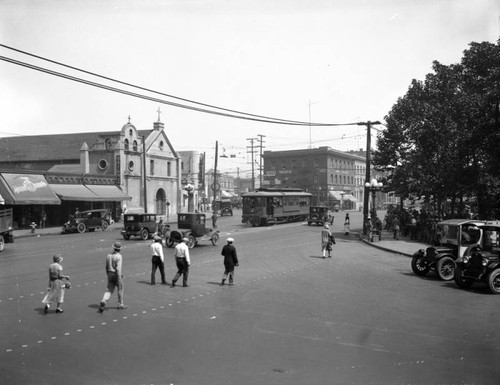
(454, 238)
(193, 227)
(6, 228)
(87, 220)
(143, 225)
(481, 264)
(318, 215)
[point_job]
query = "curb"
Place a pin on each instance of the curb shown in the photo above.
(382, 247)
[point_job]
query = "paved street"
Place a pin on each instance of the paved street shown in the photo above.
(292, 317)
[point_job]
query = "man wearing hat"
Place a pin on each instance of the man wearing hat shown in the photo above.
(157, 260)
(115, 277)
(230, 261)
(182, 260)
(55, 291)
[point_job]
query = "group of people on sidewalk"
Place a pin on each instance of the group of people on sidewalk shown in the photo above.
(58, 282)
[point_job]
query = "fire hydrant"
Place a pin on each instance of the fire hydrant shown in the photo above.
(33, 227)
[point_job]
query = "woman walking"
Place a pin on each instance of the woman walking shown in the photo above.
(347, 224)
(55, 291)
(326, 241)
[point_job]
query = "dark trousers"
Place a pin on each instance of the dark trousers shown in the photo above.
(156, 263)
(182, 269)
(228, 272)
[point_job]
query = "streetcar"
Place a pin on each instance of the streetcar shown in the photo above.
(268, 206)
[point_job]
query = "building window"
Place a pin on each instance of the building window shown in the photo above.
(169, 168)
(151, 167)
(126, 144)
(130, 132)
(131, 165)
(134, 145)
(103, 164)
(162, 145)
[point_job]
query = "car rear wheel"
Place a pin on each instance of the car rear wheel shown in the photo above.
(419, 265)
(104, 225)
(215, 239)
(464, 283)
(494, 281)
(445, 268)
(144, 234)
(2, 243)
(191, 241)
(81, 228)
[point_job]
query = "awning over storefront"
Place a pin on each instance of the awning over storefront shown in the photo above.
(226, 194)
(26, 189)
(350, 197)
(335, 195)
(74, 192)
(108, 193)
(89, 193)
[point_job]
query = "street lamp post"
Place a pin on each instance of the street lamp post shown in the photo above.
(374, 186)
(189, 189)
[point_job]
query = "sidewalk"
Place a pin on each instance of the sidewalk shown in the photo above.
(24, 233)
(403, 245)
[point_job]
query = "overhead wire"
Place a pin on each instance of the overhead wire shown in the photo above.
(227, 113)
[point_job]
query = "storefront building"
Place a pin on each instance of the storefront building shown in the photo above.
(128, 170)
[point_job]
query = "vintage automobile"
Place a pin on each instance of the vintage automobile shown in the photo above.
(87, 220)
(144, 226)
(482, 263)
(225, 207)
(454, 238)
(193, 227)
(318, 215)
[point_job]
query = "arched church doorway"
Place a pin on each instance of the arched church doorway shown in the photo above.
(161, 202)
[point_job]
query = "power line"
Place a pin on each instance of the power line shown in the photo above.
(242, 115)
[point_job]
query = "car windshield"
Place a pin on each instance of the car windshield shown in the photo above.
(491, 239)
(470, 234)
(448, 233)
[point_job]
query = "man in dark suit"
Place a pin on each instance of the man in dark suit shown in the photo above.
(230, 261)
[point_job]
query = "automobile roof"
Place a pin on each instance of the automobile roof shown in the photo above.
(490, 225)
(462, 221)
(93, 211)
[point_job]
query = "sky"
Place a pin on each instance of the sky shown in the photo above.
(319, 61)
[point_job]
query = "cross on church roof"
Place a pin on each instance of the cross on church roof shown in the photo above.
(129, 119)
(159, 112)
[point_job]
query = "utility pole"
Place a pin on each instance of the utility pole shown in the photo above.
(252, 151)
(144, 178)
(366, 195)
(260, 160)
(215, 172)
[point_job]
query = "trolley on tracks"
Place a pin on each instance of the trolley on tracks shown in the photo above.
(268, 206)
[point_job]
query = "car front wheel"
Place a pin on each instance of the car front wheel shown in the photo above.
(494, 281)
(144, 234)
(104, 225)
(2, 243)
(81, 228)
(445, 268)
(464, 283)
(419, 265)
